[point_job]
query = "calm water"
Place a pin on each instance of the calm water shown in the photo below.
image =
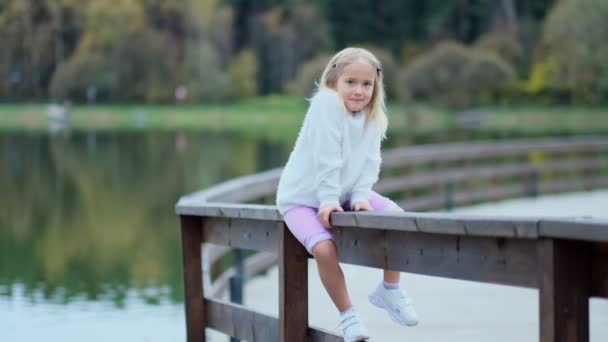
(89, 243)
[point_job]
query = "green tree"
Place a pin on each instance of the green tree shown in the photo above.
(574, 38)
(243, 75)
(284, 38)
(456, 76)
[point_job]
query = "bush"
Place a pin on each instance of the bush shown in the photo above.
(308, 76)
(574, 37)
(205, 79)
(504, 44)
(145, 67)
(243, 75)
(455, 76)
(81, 71)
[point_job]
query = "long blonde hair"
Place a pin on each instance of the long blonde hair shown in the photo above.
(376, 108)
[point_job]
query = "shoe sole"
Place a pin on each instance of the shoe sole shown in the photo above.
(358, 339)
(379, 302)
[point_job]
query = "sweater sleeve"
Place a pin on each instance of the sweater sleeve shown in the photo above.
(327, 122)
(369, 174)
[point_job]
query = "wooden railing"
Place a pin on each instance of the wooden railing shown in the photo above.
(567, 260)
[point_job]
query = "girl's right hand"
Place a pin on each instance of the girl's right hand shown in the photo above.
(324, 212)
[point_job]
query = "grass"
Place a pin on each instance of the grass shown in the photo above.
(282, 116)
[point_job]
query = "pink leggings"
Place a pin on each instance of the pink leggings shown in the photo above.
(304, 224)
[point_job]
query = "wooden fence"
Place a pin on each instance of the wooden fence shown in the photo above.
(566, 259)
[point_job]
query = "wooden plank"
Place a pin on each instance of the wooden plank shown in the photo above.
(293, 288)
(262, 235)
(574, 228)
(261, 184)
(246, 324)
(238, 321)
(440, 223)
(322, 335)
(497, 192)
(246, 211)
(193, 288)
(599, 267)
(485, 172)
(564, 290)
(242, 233)
(573, 184)
(413, 155)
(485, 259)
(464, 195)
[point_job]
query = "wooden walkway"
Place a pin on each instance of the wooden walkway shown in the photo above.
(567, 260)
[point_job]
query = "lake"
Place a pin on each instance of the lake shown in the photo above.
(89, 242)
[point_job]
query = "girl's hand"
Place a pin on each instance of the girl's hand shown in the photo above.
(362, 206)
(324, 212)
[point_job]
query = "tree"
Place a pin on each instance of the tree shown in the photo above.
(456, 76)
(574, 38)
(283, 39)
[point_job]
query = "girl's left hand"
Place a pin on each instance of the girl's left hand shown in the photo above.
(362, 206)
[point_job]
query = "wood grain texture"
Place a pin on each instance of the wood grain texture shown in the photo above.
(564, 290)
(599, 270)
(249, 234)
(247, 324)
(293, 288)
(191, 228)
(485, 259)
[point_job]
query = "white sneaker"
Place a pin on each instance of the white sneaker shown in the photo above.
(397, 303)
(352, 328)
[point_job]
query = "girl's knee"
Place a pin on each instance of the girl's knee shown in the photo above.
(398, 209)
(325, 250)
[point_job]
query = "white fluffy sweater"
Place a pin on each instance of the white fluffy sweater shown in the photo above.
(336, 157)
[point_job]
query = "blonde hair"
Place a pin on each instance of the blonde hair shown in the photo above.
(376, 108)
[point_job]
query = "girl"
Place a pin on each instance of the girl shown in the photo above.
(335, 162)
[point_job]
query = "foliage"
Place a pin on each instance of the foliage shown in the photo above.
(243, 73)
(308, 76)
(205, 79)
(283, 39)
(574, 38)
(456, 76)
(75, 76)
(148, 47)
(542, 82)
(504, 44)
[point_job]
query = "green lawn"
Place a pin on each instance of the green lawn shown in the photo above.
(282, 115)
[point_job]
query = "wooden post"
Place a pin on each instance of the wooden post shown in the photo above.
(236, 282)
(564, 290)
(192, 239)
(293, 288)
(448, 196)
(534, 184)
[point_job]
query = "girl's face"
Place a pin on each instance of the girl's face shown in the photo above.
(356, 85)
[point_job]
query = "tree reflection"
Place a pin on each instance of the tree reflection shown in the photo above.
(92, 213)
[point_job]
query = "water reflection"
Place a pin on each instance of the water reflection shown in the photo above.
(91, 214)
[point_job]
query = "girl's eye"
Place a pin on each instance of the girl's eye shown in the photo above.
(349, 81)
(368, 84)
